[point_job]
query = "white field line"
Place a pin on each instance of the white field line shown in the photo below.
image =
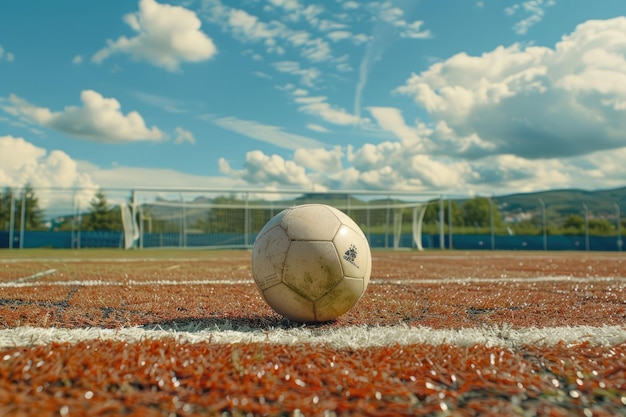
(101, 260)
(35, 276)
(355, 337)
(427, 281)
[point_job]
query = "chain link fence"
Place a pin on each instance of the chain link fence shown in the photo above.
(216, 218)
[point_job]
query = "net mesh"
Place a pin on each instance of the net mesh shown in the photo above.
(197, 219)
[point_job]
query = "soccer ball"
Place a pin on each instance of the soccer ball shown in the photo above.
(311, 263)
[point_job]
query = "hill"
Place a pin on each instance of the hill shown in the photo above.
(562, 203)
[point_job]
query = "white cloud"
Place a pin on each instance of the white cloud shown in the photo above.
(167, 104)
(316, 50)
(166, 37)
(320, 159)
(99, 119)
(389, 21)
(317, 128)
(318, 106)
(77, 60)
(308, 76)
(270, 134)
(286, 4)
(61, 181)
(181, 135)
(534, 10)
(394, 16)
(276, 35)
(126, 177)
(263, 169)
(351, 5)
(515, 119)
(390, 119)
(339, 35)
(6, 55)
(21, 162)
(533, 102)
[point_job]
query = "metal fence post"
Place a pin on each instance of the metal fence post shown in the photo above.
(544, 227)
(450, 245)
(12, 221)
(586, 227)
(22, 219)
(442, 243)
(491, 225)
(619, 228)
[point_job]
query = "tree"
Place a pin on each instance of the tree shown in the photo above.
(5, 208)
(432, 212)
(33, 215)
(601, 227)
(224, 219)
(476, 212)
(574, 223)
(101, 215)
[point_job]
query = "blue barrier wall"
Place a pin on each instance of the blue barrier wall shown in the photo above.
(63, 240)
(154, 240)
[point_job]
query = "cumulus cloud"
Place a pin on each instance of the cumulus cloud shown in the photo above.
(61, 183)
(512, 119)
(260, 168)
(320, 159)
(166, 37)
(99, 119)
(23, 163)
(533, 102)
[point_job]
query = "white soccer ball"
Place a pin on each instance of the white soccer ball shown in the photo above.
(311, 263)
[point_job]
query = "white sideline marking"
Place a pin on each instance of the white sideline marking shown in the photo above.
(426, 281)
(101, 260)
(37, 275)
(355, 337)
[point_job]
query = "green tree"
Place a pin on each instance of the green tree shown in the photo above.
(33, 215)
(573, 225)
(601, 227)
(155, 224)
(476, 213)
(101, 215)
(5, 208)
(574, 222)
(224, 218)
(432, 213)
(528, 227)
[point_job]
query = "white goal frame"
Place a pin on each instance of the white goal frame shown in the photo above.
(175, 217)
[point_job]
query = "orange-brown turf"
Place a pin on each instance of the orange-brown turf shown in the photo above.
(172, 378)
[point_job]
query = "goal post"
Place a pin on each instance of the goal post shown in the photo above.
(219, 218)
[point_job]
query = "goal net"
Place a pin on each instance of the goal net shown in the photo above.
(227, 219)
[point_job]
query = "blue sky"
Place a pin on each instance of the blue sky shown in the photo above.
(463, 96)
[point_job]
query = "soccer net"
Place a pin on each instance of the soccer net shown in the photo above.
(226, 219)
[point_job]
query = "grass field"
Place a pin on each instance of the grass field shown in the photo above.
(186, 333)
